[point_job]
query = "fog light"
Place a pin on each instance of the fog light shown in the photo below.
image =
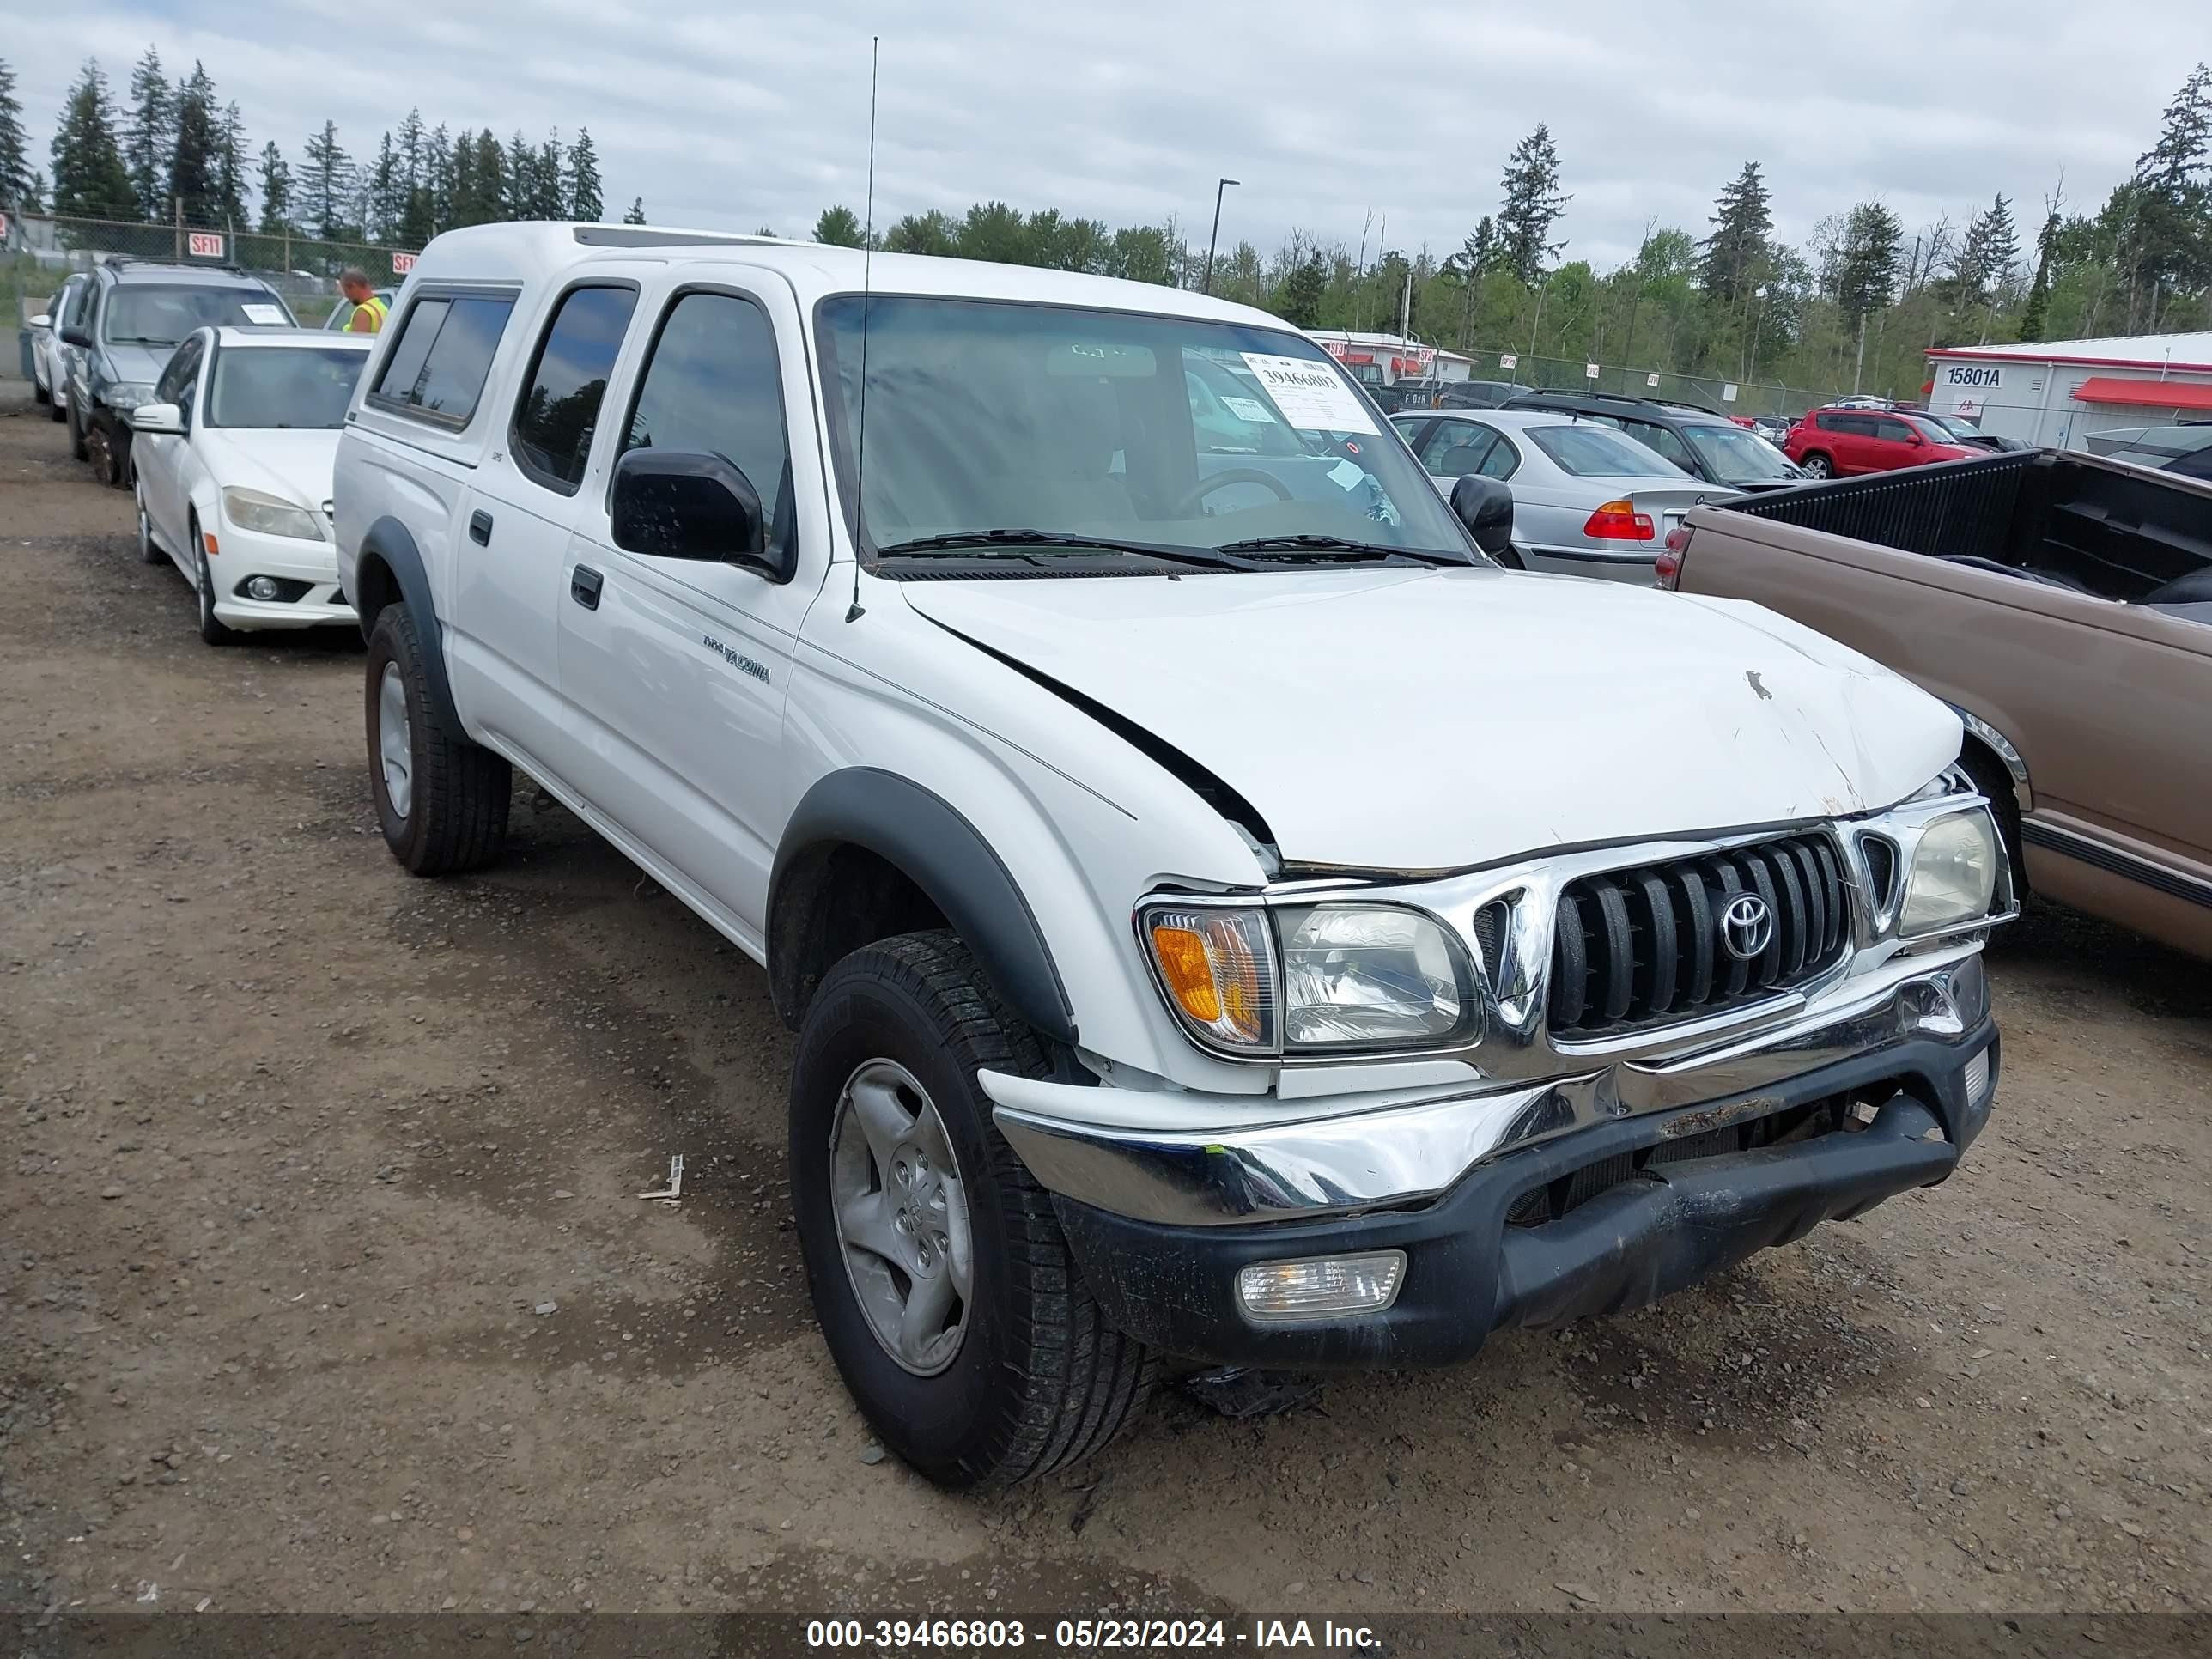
(263, 587)
(1322, 1284)
(1977, 1078)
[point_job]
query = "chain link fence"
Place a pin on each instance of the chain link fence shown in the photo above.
(1709, 391)
(37, 253)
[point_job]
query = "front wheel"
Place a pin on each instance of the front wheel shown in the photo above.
(149, 551)
(213, 630)
(944, 1286)
(442, 800)
(1818, 466)
(77, 450)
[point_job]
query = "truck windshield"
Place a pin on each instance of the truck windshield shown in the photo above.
(1172, 432)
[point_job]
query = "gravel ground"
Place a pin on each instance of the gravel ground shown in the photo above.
(325, 1285)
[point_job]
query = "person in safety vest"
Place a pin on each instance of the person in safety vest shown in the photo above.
(369, 310)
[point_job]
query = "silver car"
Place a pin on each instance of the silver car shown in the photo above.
(1588, 500)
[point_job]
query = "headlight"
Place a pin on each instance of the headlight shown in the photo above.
(125, 395)
(1347, 976)
(1954, 874)
(1372, 977)
(249, 509)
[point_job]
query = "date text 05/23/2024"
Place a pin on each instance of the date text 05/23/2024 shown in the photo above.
(1087, 1635)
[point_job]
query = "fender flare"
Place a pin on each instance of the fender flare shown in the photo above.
(2003, 747)
(949, 859)
(390, 541)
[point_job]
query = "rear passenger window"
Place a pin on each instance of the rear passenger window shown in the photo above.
(560, 405)
(438, 364)
(712, 386)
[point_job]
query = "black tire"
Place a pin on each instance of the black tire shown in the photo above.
(56, 412)
(1993, 780)
(213, 630)
(39, 394)
(112, 466)
(458, 792)
(1819, 465)
(77, 451)
(1040, 1379)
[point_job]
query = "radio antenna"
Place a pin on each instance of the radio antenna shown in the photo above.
(854, 612)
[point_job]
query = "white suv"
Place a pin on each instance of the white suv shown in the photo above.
(1226, 918)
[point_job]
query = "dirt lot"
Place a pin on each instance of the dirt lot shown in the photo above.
(325, 1285)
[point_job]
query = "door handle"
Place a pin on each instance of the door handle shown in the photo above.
(480, 527)
(584, 585)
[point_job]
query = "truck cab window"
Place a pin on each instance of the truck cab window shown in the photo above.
(712, 386)
(559, 408)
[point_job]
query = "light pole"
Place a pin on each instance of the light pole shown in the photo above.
(1214, 240)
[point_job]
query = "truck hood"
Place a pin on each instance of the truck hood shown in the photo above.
(1404, 720)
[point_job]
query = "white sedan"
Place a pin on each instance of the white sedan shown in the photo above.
(233, 458)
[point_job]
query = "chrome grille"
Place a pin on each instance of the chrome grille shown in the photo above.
(1639, 947)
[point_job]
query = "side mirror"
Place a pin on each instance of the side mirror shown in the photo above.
(42, 320)
(1485, 508)
(675, 504)
(151, 420)
(78, 336)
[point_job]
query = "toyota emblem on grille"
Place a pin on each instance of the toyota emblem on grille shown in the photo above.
(1746, 927)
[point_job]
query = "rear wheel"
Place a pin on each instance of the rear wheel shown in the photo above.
(944, 1287)
(39, 394)
(442, 800)
(1819, 465)
(59, 411)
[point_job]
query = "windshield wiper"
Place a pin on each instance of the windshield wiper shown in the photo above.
(138, 340)
(1334, 544)
(954, 541)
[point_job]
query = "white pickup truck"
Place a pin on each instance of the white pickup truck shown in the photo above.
(1226, 918)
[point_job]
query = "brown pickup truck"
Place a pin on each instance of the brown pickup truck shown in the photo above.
(2062, 604)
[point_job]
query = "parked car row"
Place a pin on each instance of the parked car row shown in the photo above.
(195, 389)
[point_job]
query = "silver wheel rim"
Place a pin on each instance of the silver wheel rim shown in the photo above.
(395, 747)
(902, 1215)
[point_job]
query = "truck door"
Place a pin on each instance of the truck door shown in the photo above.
(673, 672)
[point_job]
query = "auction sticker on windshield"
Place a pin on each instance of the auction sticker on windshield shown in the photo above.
(268, 316)
(1249, 409)
(1312, 395)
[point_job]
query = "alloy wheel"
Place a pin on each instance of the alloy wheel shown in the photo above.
(395, 741)
(903, 1219)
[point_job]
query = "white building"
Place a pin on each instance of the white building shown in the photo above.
(2055, 393)
(1381, 359)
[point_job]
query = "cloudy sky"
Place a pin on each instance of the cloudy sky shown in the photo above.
(741, 115)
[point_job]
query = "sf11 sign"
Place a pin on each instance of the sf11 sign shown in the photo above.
(401, 263)
(203, 243)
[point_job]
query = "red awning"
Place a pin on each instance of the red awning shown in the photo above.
(2145, 394)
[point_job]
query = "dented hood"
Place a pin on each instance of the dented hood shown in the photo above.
(1396, 719)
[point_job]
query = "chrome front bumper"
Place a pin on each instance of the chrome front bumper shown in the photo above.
(1349, 1155)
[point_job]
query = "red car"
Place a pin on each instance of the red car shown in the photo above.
(1834, 443)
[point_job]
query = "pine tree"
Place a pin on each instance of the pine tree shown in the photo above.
(1532, 206)
(326, 185)
(1478, 254)
(838, 226)
(149, 136)
(2169, 240)
(584, 187)
(1298, 296)
(230, 166)
(412, 142)
(479, 180)
(1866, 274)
(18, 184)
(1987, 253)
(275, 191)
(440, 157)
(2033, 313)
(1735, 254)
(90, 180)
(636, 215)
(549, 199)
(521, 188)
(387, 192)
(194, 159)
